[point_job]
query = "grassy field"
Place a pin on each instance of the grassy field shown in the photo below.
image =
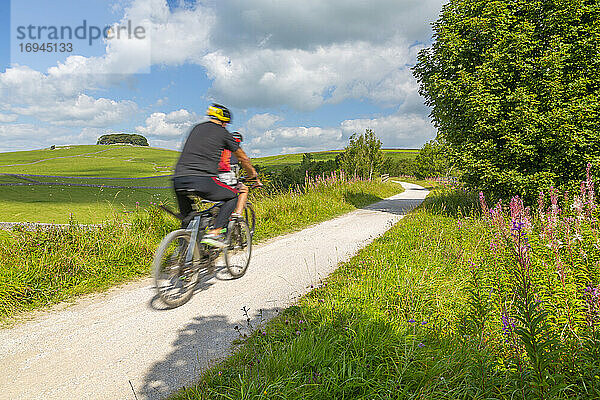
(91, 161)
(44, 267)
(278, 162)
(58, 204)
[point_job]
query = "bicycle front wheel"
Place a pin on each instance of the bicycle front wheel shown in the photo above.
(239, 247)
(250, 217)
(174, 278)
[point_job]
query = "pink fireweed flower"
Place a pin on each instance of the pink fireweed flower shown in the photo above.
(578, 206)
(484, 207)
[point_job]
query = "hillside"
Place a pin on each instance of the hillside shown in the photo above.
(96, 182)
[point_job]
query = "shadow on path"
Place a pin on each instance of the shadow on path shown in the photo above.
(200, 344)
(394, 206)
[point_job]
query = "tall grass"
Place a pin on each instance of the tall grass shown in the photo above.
(457, 301)
(42, 267)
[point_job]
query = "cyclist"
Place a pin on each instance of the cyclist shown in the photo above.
(196, 171)
(228, 173)
(228, 165)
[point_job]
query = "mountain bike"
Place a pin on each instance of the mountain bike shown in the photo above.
(181, 257)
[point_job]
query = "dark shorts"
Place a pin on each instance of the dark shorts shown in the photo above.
(209, 188)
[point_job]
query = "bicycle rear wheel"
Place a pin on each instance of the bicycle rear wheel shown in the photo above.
(174, 278)
(239, 247)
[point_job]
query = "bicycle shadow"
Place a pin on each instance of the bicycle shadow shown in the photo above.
(200, 344)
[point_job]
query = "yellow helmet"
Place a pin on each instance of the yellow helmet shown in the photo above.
(219, 112)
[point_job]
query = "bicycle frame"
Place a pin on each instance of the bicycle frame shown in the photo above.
(194, 228)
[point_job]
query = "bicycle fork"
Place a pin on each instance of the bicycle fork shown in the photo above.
(193, 229)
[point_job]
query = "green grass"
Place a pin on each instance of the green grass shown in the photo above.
(40, 268)
(382, 326)
(58, 204)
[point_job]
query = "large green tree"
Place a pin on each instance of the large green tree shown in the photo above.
(514, 88)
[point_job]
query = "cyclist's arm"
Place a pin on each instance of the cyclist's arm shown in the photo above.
(246, 164)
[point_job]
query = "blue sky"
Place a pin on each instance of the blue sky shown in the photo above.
(298, 76)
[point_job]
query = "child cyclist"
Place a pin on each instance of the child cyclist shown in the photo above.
(229, 170)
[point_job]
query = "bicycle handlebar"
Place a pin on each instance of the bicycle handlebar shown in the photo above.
(256, 185)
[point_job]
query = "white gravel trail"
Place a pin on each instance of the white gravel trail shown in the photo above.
(106, 346)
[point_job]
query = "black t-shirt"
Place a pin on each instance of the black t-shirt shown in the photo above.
(202, 150)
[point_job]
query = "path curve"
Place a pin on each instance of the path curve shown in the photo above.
(106, 346)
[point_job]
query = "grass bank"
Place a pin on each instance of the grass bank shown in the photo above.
(451, 303)
(44, 267)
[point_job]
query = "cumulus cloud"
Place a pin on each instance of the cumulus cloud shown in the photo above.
(168, 128)
(24, 136)
(306, 79)
(304, 54)
(80, 111)
(296, 139)
(395, 131)
(313, 23)
(8, 118)
(260, 122)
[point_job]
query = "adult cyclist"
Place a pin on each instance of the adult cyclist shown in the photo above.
(197, 170)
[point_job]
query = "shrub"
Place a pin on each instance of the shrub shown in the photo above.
(125, 138)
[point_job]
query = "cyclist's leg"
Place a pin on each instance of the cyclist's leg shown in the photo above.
(218, 191)
(185, 203)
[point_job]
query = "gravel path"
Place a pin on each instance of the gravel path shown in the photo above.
(106, 346)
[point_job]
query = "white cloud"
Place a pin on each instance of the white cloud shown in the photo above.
(299, 55)
(80, 111)
(168, 127)
(260, 122)
(8, 118)
(178, 36)
(28, 136)
(395, 131)
(313, 23)
(306, 79)
(296, 139)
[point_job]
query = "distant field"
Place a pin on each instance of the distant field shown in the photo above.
(91, 204)
(278, 162)
(100, 161)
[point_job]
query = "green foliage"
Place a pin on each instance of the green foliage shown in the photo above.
(123, 138)
(363, 156)
(290, 176)
(432, 161)
(398, 166)
(514, 87)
